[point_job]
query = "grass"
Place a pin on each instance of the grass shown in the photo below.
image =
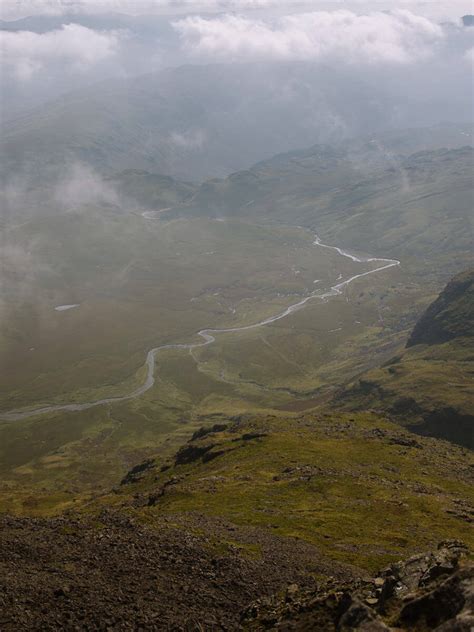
(357, 496)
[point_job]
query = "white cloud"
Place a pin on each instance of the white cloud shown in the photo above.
(192, 139)
(469, 55)
(24, 53)
(399, 36)
(83, 186)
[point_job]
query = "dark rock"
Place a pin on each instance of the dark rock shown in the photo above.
(253, 435)
(408, 442)
(447, 423)
(442, 605)
(421, 593)
(191, 452)
(450, 316)
(137, 472)
(203, 431)
(209, 456)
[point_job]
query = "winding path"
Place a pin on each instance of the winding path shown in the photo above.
(208, 336)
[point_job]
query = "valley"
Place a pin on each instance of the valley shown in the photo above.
(208, 334)
(206, 302)
(236, 316)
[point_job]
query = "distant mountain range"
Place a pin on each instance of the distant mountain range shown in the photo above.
(195, 122)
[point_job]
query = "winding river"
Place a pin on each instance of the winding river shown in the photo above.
(208, 337)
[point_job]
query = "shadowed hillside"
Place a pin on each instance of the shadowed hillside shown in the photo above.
(429, 386)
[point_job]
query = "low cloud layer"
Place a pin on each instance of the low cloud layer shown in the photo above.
(437, 9)
(25, 53)
(82, 186)
(397, 37)
(192, 139)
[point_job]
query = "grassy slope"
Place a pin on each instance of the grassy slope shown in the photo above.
(347, 483)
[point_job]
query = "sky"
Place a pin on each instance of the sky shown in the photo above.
(14, 9)
(72, 44)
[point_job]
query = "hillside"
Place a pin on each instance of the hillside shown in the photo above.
(308, 506)
(417, 208)
(263, 517)
(428, 386)
(228, 588)
(451, 315)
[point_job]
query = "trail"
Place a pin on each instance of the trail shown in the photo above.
(208, 336)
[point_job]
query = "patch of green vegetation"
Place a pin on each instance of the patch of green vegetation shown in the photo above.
(345, 483)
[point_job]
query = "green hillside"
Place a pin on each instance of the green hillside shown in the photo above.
(356, 486)
(416, 208)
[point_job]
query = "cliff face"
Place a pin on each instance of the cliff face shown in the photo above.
(450, 316)
(428, 386)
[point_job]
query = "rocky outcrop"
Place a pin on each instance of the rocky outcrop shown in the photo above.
(138, 472)
(432, 591)
(427, 387)
(450, 316)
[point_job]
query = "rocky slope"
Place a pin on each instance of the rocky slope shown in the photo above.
(115, 573)
(426, 592)
(291, 514)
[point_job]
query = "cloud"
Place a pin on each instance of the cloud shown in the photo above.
(25, 53)
(13, 9)
(469, 55)
(397, 37)
(82, 186)
(191, 139)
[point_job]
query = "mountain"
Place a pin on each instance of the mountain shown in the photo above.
(450, 317)
(245, 475)
(428, 386)
(196, 122)
(417, 208)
